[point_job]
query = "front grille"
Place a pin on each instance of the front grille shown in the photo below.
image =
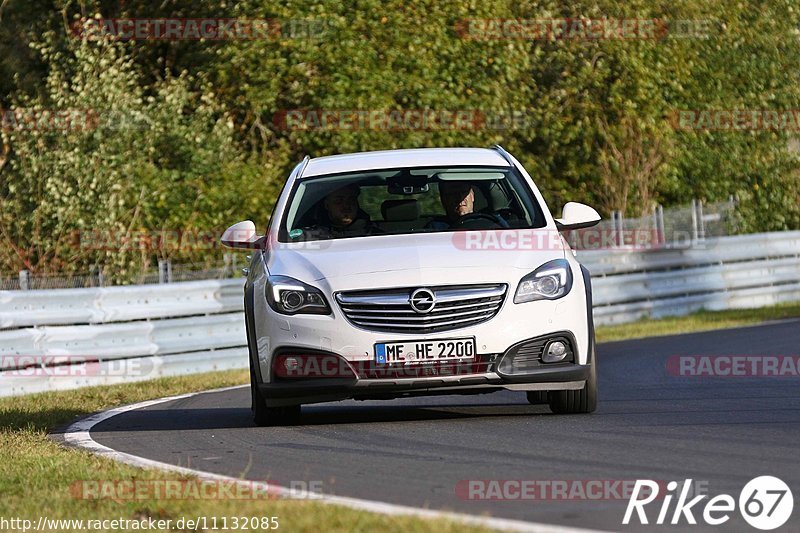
(390, 310)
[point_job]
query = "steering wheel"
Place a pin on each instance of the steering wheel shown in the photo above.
(478, 221)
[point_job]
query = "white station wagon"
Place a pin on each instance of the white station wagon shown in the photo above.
(415, 272)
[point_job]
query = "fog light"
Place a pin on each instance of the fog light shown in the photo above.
(555, 352)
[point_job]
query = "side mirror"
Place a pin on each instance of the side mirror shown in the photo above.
(242, 235)
(577, 216)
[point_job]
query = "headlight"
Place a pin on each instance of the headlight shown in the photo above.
(550, 281)
(289, 296)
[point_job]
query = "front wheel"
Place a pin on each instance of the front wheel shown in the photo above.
(537, 397)
(270, 416)
(576, 401)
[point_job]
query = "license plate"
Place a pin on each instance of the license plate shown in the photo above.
(426, 351)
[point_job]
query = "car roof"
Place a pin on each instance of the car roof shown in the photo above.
(416, 157)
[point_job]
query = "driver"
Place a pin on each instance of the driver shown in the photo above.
(458, 201)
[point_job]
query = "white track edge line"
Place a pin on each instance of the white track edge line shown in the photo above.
(78, 434)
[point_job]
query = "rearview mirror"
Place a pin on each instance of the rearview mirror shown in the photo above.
(577, 216)
(242, 235)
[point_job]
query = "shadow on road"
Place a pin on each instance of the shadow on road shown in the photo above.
(181, 419)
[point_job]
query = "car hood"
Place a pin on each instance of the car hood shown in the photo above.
(431, 258)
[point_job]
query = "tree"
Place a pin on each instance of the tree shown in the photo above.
(97, 188)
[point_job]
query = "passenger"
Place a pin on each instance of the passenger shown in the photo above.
(343, 215)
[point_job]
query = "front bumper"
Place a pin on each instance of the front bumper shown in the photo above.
(271, 334)
(556, 377)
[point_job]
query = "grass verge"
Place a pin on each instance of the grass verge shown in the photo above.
(700, 321)
(37, 474)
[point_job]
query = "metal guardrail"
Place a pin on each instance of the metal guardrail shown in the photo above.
(106, 372)
(140, 332)
(68, 338)
(118, 304)
(122, 341)
(714, 274)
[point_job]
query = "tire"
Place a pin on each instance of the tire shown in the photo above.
(537, 397)
(565, 402)
(263, 415)
(270, 416)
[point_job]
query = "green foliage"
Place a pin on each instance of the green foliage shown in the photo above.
(199, 147)
(134, 160)
(595, 114)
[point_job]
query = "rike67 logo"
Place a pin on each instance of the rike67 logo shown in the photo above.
(765, 503)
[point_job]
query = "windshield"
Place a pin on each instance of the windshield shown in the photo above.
(409, 200)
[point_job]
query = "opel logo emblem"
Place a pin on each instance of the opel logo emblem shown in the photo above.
(422, 301)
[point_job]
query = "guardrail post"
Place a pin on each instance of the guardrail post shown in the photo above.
(662, 234)
(164, 271)
(97, 278)
(616, 217)
(694, 220)
(731, 224)
(701, 223)
(657, 239)
(24, 280)
(228, 269)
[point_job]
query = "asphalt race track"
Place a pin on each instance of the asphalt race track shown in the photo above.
(721, 432)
